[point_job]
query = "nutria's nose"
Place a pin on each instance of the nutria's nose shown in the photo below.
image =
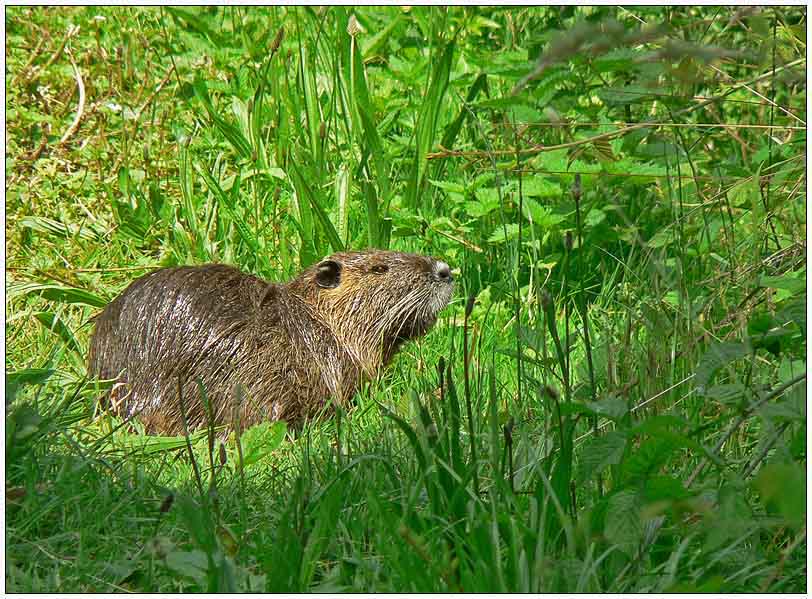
(443, 272)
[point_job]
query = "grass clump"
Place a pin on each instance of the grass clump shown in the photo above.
(619, 407)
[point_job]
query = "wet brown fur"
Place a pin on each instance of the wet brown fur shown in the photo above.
(294, 347)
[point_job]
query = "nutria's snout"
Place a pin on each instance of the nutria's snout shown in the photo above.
(442, 272)
(443, 281)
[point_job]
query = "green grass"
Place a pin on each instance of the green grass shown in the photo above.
(631, 415)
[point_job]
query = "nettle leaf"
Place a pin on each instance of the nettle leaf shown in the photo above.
(794, 312)
(792, 284)
(487, 202)
(599, 453)
(595, 217)
(664, 488)
(717, 355)
(555, 161)
(503, 233)
(539, 215)
(540, 187)
(783, 490)
(726, 394)
(612, 407)
(730, 520)
(661, 424)
(448, 186)
(791, 406)
(624, 526)
(650, 456)
(616, 60)
(661, 238)
(192, 564)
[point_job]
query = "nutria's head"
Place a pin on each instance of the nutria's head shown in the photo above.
(375, 300)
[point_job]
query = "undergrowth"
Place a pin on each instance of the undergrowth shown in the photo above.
(615, 399)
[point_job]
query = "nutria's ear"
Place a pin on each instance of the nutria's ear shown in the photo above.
(328, 274)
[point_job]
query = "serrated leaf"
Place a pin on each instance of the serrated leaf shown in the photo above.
(660, 239)
(624, 526)
(726, 394)
(663, 488)
(791, 406)
(791, 284)
(540, 216)
(650, 456)
(503, 233)
(599, 453)
(540, 187)
(487, 200)
(612, 407)
(192, 564)
(783, 489)
(794, 312)
(595, 217)
(448, 186)
(717, 355)
(630, 94)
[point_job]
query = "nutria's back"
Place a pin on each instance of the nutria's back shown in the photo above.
(294, 347)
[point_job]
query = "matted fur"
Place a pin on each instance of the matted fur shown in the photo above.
(294, 347)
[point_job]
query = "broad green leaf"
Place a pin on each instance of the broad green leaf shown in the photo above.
(503, 233)
(729, 393)
(624, 526)
(540, 187)
(794, 311)
(192, 564)
(595, 217)
(649, 457)
(448, 186)
(661, 238)
(719, 354)
(541, 216)
(487, 202)
(782, 487)
(794, 285)
(599, 453)
(262, 439)
(612, 407)
(664, 488)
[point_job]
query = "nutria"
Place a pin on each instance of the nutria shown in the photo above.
(295, 347)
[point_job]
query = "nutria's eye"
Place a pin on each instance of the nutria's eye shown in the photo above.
(380, 269)
(328, 274)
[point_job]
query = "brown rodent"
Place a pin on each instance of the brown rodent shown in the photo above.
(295, 347)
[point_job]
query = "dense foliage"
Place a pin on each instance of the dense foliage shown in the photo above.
(621, 406)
